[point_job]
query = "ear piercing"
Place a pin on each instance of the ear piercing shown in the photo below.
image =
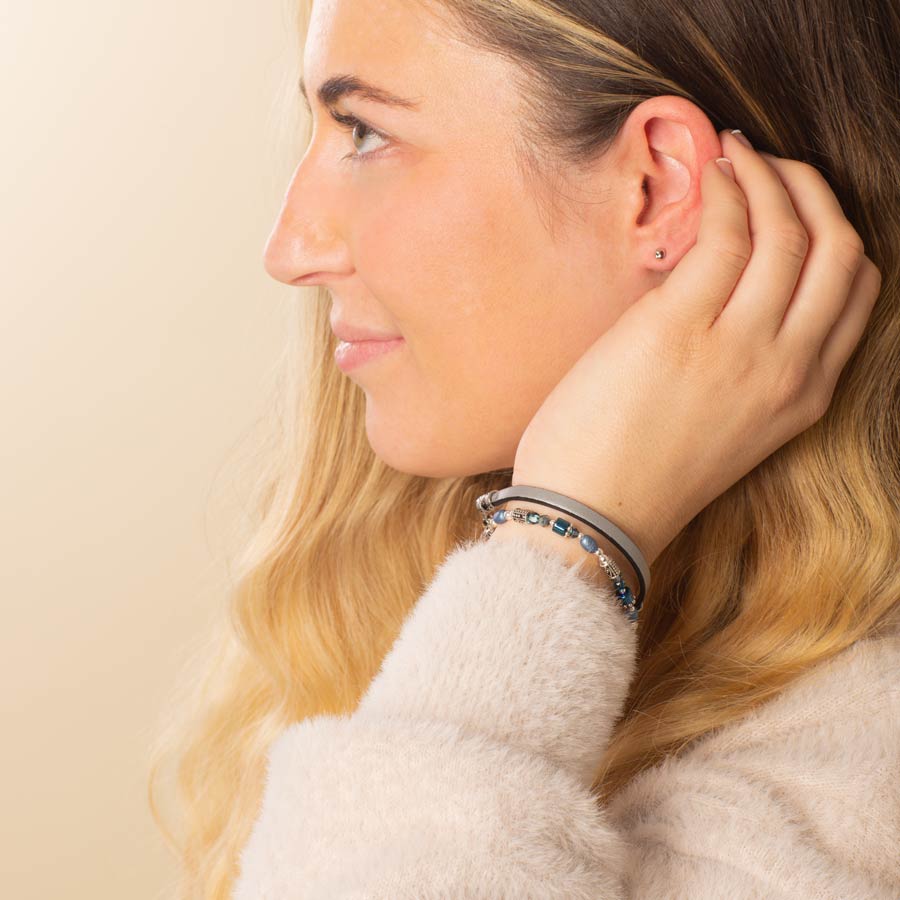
(661, 253)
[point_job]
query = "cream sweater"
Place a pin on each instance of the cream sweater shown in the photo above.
(464, 773)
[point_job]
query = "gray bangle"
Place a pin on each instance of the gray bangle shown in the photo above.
(584, 514)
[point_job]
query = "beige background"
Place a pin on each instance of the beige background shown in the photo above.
(139, 177)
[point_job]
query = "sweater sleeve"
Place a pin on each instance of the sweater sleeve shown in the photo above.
(465, 770)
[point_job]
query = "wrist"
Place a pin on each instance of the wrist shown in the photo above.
(648, 529)
(568, 548)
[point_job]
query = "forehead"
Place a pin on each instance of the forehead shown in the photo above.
(366, 24)
(407, 47)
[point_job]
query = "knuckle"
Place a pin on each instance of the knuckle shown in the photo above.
(793, 383)
(676, 340)
(792, 240)
(796, 168)
(733, 250)
(739, 197)
(812, 172)
(878, 276)
(802, 169)
(849, 249)
(819, 401)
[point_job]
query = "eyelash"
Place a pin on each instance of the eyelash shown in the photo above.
(350, 123)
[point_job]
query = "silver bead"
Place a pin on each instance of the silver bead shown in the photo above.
(660, 254)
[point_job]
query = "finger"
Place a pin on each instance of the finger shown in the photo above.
(836, 253)
(780, 244)
(706, 275)
(848, 329)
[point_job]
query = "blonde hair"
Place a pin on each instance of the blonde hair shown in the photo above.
(787, 568)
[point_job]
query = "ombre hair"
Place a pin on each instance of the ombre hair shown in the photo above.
(787, 568)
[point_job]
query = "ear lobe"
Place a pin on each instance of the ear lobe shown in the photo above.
(670, 216)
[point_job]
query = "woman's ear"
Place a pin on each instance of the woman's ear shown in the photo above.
(661, 150)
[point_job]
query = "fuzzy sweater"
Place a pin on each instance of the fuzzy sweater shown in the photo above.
(465, 770)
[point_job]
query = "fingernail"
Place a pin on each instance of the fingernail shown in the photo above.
(724, 163)
(742, 138)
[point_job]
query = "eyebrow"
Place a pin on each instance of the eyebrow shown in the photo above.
(332, 89)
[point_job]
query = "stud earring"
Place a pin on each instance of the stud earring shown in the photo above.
(660, 254)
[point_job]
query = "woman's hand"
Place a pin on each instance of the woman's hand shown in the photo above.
(707, 374)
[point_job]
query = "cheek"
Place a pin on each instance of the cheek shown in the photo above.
(438, 243)
(490, 312)
(471, 281)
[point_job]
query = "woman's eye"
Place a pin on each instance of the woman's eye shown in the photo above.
(356, 127)
(362, 130)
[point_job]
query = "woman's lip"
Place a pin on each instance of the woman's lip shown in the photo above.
(350, 354)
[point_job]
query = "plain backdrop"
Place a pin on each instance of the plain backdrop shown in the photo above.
(139, 178)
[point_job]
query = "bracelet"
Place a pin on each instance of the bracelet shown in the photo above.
(486, 504)
(584, 514)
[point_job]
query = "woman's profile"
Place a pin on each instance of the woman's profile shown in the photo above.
(560, 313)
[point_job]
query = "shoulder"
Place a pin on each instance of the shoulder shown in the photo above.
(811, 776)
(849, 700)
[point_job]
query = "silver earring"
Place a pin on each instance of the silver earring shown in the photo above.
(660, 254)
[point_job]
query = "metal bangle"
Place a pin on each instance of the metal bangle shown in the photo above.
(584, 514)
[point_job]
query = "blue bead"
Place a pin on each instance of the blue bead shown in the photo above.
(560, 526)
(499, 516)
(533, 517)
(588, 543)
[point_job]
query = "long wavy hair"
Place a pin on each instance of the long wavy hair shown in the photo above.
(787, 568)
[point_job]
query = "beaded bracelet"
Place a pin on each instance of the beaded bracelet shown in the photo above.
(597, 522)
(564, 528)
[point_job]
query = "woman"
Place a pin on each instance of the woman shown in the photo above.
(581, 301)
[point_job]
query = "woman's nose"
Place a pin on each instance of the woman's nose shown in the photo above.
(303, 246)
(298, 253)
